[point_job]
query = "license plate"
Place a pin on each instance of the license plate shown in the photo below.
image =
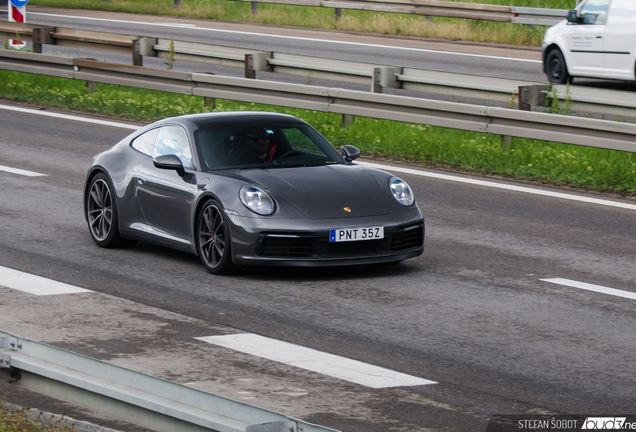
(355, 234)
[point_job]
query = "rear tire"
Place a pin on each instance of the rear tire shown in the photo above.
(214, 244)
(556, 68)
(101, 213)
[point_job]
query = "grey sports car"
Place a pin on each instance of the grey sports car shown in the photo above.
(249, 188)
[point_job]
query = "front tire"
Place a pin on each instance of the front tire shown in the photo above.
(213, 239)
(557, 68)
(101, 213)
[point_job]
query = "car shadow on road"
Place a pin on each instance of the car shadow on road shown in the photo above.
(351, 272)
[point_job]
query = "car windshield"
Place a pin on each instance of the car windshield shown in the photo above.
(594, 11)
(267, 146)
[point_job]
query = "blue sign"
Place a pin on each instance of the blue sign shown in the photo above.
(19, 3)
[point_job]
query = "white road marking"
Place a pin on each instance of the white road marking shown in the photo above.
(69, 117)
(503, 186)
(368, 45)
(35, 285)
(315, 361)
(396, 169)
(591, 287)
(20, 171)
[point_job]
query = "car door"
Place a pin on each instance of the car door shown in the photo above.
(586, 44)
(166, 196)
(620, 40)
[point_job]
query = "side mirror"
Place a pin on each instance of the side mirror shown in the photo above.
(349, 152)
(169, 162)
(572, 18)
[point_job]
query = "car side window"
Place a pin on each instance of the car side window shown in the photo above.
(145, 142)
(594, 12)
(173, 140)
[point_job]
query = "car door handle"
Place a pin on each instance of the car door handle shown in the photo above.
(141, 180)
(599, 37)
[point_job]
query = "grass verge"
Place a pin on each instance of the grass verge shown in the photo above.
(23, 420)
(324, 18)
(604, 170)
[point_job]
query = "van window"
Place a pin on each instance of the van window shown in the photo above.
(594, 12)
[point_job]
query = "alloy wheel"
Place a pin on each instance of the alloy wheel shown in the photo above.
(212, 239)
(100, 210)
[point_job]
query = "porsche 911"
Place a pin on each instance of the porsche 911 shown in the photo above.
(249, 188)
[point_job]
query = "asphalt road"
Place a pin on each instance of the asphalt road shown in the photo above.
(463, 57)
(495, 60)
(471, 314)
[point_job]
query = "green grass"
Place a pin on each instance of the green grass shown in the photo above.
(600, 169)
(323, 18)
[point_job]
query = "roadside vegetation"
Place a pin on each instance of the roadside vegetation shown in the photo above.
(23, 420)
(554, 163)
(324, 18)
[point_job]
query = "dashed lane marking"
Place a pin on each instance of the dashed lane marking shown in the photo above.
(20, 172)
(35, 285)
(592, 287)
(315, 361)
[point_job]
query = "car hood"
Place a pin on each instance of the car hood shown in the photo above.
(323, 192)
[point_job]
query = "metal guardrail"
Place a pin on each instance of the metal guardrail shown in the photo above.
(537, 16)
(74, 38)
(607, 102)
(132, 396)
(493, 120)
(613, 103)
(437, 8)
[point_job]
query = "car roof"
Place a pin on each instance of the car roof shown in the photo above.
(205, 120)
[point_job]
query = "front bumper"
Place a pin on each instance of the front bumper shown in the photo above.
(285, 242)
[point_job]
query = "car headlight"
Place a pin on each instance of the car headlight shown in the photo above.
(257, 200)
(401, 191)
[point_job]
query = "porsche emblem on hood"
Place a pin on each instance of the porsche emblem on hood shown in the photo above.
(347, 209)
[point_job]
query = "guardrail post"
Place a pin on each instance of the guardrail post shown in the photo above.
(338, 13)
(385, 77)
(177, 2)
(533, 95)
(209, 102)
(506, 142)
(91, 86)
(254, 8)
(347, 120)
(137, 58)
(143, 47)
(257, 62)
(41, 36)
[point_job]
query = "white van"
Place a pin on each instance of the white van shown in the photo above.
(598, 40)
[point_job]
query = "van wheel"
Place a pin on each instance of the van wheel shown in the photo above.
(556, 68)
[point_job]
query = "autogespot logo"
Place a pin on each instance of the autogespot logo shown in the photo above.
(607, 423)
